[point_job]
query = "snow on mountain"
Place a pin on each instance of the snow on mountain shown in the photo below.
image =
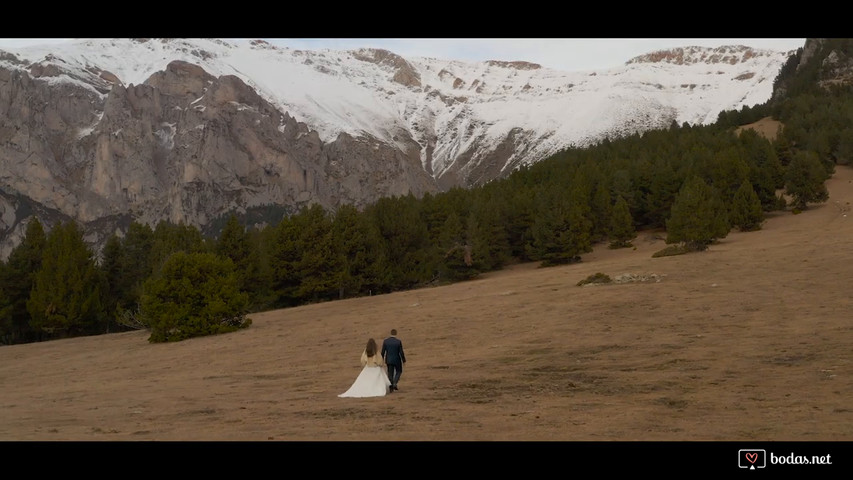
(460, 113)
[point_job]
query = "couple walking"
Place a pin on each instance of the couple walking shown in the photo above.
(373, 381)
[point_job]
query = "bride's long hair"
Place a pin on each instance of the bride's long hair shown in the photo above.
(370, 349)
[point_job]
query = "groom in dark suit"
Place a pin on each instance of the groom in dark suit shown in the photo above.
(392, 353)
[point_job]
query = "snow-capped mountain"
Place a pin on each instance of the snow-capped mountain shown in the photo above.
(375, 123)
(453, 108)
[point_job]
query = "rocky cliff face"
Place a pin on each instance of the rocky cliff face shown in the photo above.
(731, 55)
(826, 62)
(184, 146)
(836, 60)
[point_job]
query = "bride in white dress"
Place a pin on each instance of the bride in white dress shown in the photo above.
(373, 380)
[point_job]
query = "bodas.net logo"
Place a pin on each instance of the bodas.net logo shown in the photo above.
(751, 458)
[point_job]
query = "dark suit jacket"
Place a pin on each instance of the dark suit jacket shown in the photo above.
(392, 351)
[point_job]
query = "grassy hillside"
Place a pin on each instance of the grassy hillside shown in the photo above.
(749, 340)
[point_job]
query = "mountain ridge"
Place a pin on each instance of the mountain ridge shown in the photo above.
(418, 124)
(730, 54)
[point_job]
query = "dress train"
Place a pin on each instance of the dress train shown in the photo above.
(371, 382)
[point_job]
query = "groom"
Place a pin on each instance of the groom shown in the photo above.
(392, 353)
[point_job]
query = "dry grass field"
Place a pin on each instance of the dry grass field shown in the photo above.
(750, 340)
(766, 127)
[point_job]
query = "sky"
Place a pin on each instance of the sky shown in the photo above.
(568, 54)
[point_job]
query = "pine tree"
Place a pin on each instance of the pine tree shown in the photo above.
(406, 246)
(746, 212)
(621, 186)
(125, 264)
(66, 298)
(487, 233)
(518, 218)
(112, 269)
(662, 182)
(17, 282)
(233, 243)
(138, 262)
(455, 250)
(622, 229)
(698, 216)
(844, 150)
(766, 173)
(169, 238)
(192, 295)
(285, 254)
(560, 231)
(805, 180)
(727, 171)
(601, 212)
(319, 264)
(258, 277)
(782, 145)
(358, 245)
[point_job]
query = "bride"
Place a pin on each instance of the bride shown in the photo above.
(373, 380)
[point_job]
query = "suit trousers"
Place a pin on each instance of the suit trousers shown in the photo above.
(394, 372)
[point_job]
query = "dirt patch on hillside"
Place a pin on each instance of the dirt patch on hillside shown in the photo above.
(766, 127)
(748, 340)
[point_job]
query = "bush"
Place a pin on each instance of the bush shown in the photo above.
(597, 278)
(673, 250)
(194, 294)
(131, 319)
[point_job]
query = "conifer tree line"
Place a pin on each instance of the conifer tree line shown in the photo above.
(697, 182)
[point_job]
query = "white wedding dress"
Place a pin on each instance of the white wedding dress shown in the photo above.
(371, 382)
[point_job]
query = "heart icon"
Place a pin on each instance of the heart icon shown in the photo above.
(752, 457)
